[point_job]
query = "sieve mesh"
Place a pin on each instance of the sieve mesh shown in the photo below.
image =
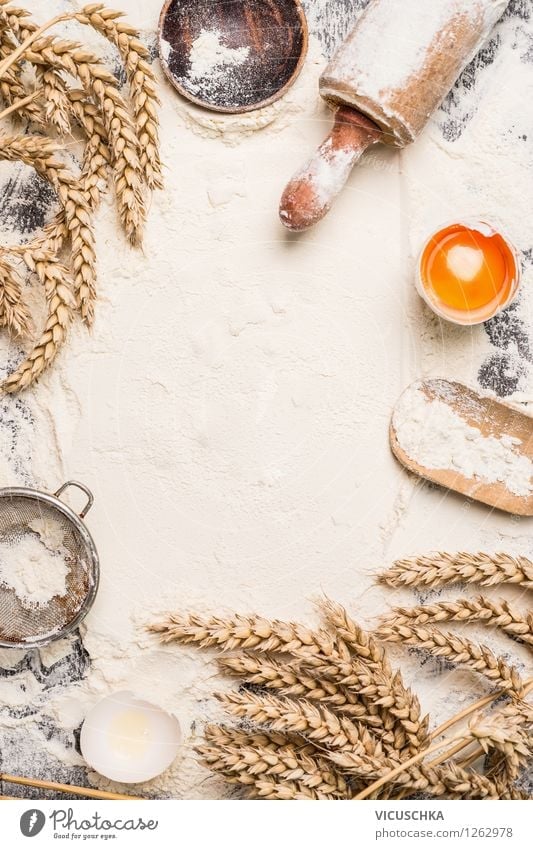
(20, 624)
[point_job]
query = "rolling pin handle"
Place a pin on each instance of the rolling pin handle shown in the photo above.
(310, 193)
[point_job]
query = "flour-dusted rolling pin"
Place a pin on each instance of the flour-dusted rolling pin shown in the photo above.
(394, 69)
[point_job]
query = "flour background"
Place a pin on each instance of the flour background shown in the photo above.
(230, 409)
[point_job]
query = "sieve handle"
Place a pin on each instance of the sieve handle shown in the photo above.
(85, 489)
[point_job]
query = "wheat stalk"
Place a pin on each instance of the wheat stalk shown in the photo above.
(141, 80)
(11, 88)
(41, 154)
(60, 302)
(317, 724)
(497, 614)
(14, 314)
(246, 757)
(457, 649)
(99, 83)
(442, 568)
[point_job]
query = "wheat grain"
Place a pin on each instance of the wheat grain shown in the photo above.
(14, 314)
(441, 568)
(457, 649)
(448, 781)
(496, 614)
(141, 80)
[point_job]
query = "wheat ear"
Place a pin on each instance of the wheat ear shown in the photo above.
(441, 568)
(244, 757)
(11, 88)
(141, 80)
(317, 724)
(400, 700)
(99, 83)
(14, 314)
(496, 614)
(60, 302)
(456, 649)
(40, 153)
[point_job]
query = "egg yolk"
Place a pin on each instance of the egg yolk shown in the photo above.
(466, 269)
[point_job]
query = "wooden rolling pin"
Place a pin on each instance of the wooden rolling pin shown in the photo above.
(393, 70)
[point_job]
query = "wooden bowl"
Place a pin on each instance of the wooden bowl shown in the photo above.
(232, 55)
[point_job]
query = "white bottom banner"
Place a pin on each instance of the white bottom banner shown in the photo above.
(265, 825)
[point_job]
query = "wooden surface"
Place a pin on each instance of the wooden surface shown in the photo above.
(492, 419)
(273, 33)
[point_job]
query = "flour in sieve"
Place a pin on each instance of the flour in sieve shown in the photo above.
(35, 572)
(438, 438)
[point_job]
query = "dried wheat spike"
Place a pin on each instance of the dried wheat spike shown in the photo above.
(93, 174)
(245, 757)
(240, 632)
(141, 80)
(441, 568)
(456, 649)
(292, 678)
(14, 313)
(99, 83)
(496, 614)
(40, 153)
(399, 700)
(96, 157)
(12, 88)
(60, 302)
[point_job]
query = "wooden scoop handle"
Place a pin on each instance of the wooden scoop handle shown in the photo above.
(310, 193)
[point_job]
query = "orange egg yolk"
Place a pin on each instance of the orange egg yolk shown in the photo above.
(464, 269)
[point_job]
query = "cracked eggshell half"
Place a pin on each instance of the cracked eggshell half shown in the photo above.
(129, 740)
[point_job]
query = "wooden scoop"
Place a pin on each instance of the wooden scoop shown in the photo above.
(492, 419)
(311, 192)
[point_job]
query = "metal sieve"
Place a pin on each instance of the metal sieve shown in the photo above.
(30, 627)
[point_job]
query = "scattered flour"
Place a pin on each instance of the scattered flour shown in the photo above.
(36, 573)
(438, 438)
(210, 57)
